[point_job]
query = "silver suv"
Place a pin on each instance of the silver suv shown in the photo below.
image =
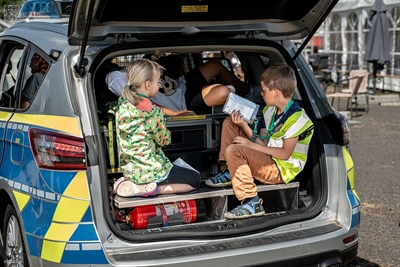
(59, 158)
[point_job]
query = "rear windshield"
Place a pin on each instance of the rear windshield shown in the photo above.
(170, 11)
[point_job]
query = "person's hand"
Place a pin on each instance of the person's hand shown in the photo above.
(173, 113)
(239, 140)
(184, 113)
(237, 118)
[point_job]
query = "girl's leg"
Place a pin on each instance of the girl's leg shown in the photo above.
(180, 180)
(175, 188)
(214, 69)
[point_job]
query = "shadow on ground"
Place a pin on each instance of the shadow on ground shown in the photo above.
(359, 262)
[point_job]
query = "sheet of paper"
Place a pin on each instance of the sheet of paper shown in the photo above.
(247, 108)
(246, 111)
(181, 163)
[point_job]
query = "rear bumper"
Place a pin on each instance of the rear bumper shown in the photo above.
(332, 258)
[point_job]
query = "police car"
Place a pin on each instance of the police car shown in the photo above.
(59, 158)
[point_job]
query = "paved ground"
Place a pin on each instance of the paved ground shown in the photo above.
(375, 146)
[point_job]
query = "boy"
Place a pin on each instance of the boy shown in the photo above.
(274, 156)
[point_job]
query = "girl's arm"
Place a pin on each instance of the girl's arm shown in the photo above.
(172, 113)
(161, 135)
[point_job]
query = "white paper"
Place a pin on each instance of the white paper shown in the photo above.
(181, 163)
(247, 108)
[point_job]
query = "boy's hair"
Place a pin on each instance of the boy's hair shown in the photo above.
(137, 73)
(281, 77)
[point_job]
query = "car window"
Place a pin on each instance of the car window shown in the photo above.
(10, 64)
(35, 70)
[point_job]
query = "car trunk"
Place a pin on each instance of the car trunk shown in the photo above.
(199, 214)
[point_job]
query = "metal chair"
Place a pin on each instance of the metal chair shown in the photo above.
(363, 90)
(350, 96)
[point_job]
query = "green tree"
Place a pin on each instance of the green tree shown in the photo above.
(8, 2)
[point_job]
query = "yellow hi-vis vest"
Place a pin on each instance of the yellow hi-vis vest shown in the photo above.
(297, 124)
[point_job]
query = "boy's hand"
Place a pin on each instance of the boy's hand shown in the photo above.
(237, 119)
(239, 140)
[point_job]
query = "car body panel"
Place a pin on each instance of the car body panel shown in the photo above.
(276, 20)
(55, 206)
(65, 215)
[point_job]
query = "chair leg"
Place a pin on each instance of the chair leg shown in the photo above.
(355, 101)
(351, 107)
(367, 100)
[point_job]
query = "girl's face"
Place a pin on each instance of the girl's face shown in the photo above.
(154, 85)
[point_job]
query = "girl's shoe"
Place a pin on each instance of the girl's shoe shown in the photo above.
(130, 189)
(222, 179)
(117, 183)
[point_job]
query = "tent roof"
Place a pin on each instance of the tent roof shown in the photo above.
(347, 5)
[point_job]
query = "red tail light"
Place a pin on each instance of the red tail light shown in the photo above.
(57, 151)
(350, 239)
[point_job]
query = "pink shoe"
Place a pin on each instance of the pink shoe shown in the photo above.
(130, 189)
(117, 183)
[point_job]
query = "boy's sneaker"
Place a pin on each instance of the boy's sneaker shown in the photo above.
(250, 209)
(130, 189)
(222, 179)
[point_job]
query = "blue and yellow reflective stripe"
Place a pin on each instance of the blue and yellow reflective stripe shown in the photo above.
(70, 210)
(351, 192)
(22, 199)
(63, 124)
(350, 170)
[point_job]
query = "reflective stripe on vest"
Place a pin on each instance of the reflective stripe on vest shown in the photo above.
(295, 125)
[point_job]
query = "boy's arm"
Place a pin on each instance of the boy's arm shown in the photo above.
(263, 132)
(283, 152)
(238, 120)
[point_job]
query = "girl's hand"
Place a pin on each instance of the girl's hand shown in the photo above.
(184, 113)
(237, 118)
(173, 113)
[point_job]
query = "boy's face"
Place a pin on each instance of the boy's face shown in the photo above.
(268, 95)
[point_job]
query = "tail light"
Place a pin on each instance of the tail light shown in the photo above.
(57, 151)
(350, 239)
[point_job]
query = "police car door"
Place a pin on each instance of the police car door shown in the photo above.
(11, 53)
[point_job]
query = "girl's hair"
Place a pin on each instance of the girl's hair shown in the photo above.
(281, 77)
(137, 73)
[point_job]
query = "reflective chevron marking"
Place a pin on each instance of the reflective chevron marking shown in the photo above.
(31, 190)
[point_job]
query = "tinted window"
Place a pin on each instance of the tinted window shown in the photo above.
(166, 11)
(35, 70)
(9, 75)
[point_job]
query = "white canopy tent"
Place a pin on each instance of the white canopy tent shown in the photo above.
(344, 33)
